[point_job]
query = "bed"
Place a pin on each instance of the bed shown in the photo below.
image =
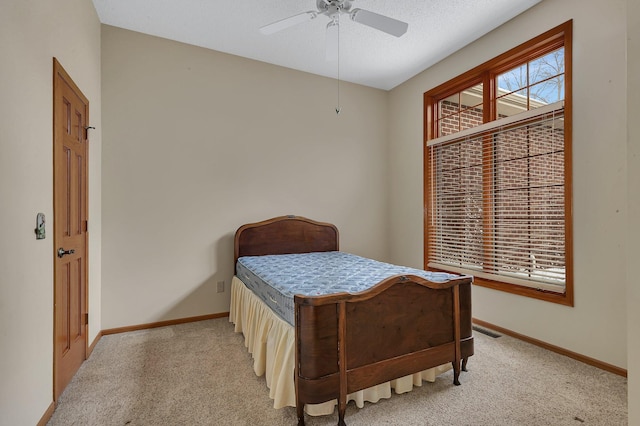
(412, 325)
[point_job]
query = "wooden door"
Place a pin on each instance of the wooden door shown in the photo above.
(70, 117)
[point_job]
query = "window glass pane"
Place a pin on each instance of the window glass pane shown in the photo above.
(512, 80)
(471, 117)
(512, 103)
(448, 111)
(471, 96)
(449, 105)
(448, 125)
(547, 92)
(471, 108)
(547, 66)
(460, 111)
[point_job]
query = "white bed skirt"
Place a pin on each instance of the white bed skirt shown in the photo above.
(270, 340)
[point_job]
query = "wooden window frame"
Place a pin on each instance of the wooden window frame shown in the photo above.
(486, 73)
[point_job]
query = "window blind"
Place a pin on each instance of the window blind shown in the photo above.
(497, 200)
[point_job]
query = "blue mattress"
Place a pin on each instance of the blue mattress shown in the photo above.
(277, 278)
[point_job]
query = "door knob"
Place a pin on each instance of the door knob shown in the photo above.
(62, 252)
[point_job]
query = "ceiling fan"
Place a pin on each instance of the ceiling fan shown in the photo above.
(333, 9)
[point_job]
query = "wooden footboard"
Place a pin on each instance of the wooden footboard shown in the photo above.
(403, 325)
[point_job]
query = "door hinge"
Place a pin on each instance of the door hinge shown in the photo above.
(86, 226)
(86, 318)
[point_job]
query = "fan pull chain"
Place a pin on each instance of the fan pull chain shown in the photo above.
(338, 109)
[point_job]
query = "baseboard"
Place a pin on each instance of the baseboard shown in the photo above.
(93, 344)
(162, 323)
(47, 415)
(579, 357)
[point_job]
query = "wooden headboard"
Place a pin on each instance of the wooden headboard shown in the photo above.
(284, 235)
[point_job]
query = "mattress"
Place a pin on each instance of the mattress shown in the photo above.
(275, 279)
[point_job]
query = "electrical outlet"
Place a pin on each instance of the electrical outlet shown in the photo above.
(220, 286)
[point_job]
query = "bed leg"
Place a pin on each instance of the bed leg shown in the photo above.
(464, 364)
(342, 408)
(456, 373)
(300, 412)
(341, 420)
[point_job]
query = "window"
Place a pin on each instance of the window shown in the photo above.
(498, 171)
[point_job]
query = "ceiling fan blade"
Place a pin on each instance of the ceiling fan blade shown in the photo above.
(333, 39)
(379, 22)
(285, 23)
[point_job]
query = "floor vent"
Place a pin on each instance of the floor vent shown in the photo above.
(485, 331)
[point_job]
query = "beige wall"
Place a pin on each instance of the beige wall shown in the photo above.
(32, 32)
(597, 325)
(197, 143)
(633, 191)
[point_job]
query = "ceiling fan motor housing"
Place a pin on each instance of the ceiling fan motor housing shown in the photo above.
(333, 8)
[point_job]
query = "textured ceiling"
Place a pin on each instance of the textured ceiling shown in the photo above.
(437, 28)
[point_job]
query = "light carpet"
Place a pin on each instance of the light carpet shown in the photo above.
(201, 374)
